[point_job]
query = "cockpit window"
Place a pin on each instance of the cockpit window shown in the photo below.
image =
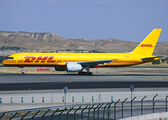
(10, 57)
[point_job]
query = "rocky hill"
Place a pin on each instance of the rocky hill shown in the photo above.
(11, 42)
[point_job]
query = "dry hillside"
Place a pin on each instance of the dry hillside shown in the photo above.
(52, 42)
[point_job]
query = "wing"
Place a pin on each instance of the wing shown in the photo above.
(94, 63)
(151, 58)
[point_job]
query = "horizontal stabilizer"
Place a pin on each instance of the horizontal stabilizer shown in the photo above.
(148, 58)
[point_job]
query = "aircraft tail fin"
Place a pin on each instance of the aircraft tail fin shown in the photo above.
(147, 46)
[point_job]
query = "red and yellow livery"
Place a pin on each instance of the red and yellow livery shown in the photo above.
(76, 62)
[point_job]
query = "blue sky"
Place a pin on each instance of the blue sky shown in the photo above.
(128, 20)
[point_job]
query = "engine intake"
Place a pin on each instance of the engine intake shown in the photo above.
(73, 67)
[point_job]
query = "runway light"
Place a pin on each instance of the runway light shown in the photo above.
(92, 98)
(21, 99)
(82, 98)
(42, 99)
(72, 98)
(32, 99)
(11, 100)
(111, 98)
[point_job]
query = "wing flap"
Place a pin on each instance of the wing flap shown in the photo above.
(94, 63)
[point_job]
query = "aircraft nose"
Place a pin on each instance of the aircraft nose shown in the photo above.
(4, 62)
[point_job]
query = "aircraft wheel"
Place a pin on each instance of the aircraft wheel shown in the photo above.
(83, 73)
(79, 73)
(22, 73)
(90, 73)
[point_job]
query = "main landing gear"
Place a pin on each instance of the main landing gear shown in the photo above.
(85, 73)
(22, 71)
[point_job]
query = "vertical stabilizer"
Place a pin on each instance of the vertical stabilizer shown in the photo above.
(147, 46)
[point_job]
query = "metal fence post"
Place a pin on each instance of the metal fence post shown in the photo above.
(104, 109)
(13, 116)
(109, 109)
(122, 107)
(68, 112)
(61, 113)
(76, 111)
(94, 111)
(2, 116)
(82, 112)
(54, 113)
(166, 103)
(154, 102)
(36, 114)
(89, 111)
(98, 109)
(45, 113)
(142, 104)
(131, 104)
(25, 115)
(115, 109)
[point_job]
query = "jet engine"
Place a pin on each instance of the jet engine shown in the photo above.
(73, 67)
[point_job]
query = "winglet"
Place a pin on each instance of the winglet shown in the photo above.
(147, 46)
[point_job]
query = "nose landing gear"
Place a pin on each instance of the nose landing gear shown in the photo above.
(22, 71)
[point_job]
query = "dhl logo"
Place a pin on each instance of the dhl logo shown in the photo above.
(41, 59)
(146, 45)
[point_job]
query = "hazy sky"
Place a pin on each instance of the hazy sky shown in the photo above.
(129, 20)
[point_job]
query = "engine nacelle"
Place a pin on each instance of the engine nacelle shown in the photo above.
(73, 67)
(57, 68)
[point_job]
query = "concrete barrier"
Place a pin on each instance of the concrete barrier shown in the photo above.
(153, 116)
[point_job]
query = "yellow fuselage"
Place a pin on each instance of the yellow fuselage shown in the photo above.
(60, 59)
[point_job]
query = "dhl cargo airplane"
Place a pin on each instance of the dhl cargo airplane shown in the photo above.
(77, 62)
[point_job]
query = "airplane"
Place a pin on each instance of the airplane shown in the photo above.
(77, 62)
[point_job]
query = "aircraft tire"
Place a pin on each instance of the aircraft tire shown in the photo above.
(22, 73)
(90, 73)
(85, 73)
(79, 73)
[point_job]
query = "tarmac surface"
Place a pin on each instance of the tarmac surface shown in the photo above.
(46, 85)
(73, 81)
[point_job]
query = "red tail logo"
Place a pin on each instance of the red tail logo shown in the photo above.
(146, 45)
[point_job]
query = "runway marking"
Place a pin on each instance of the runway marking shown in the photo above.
(157, 78)
(58, 83)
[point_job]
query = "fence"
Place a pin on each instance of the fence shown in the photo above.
(97, 111)
(57, 98)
